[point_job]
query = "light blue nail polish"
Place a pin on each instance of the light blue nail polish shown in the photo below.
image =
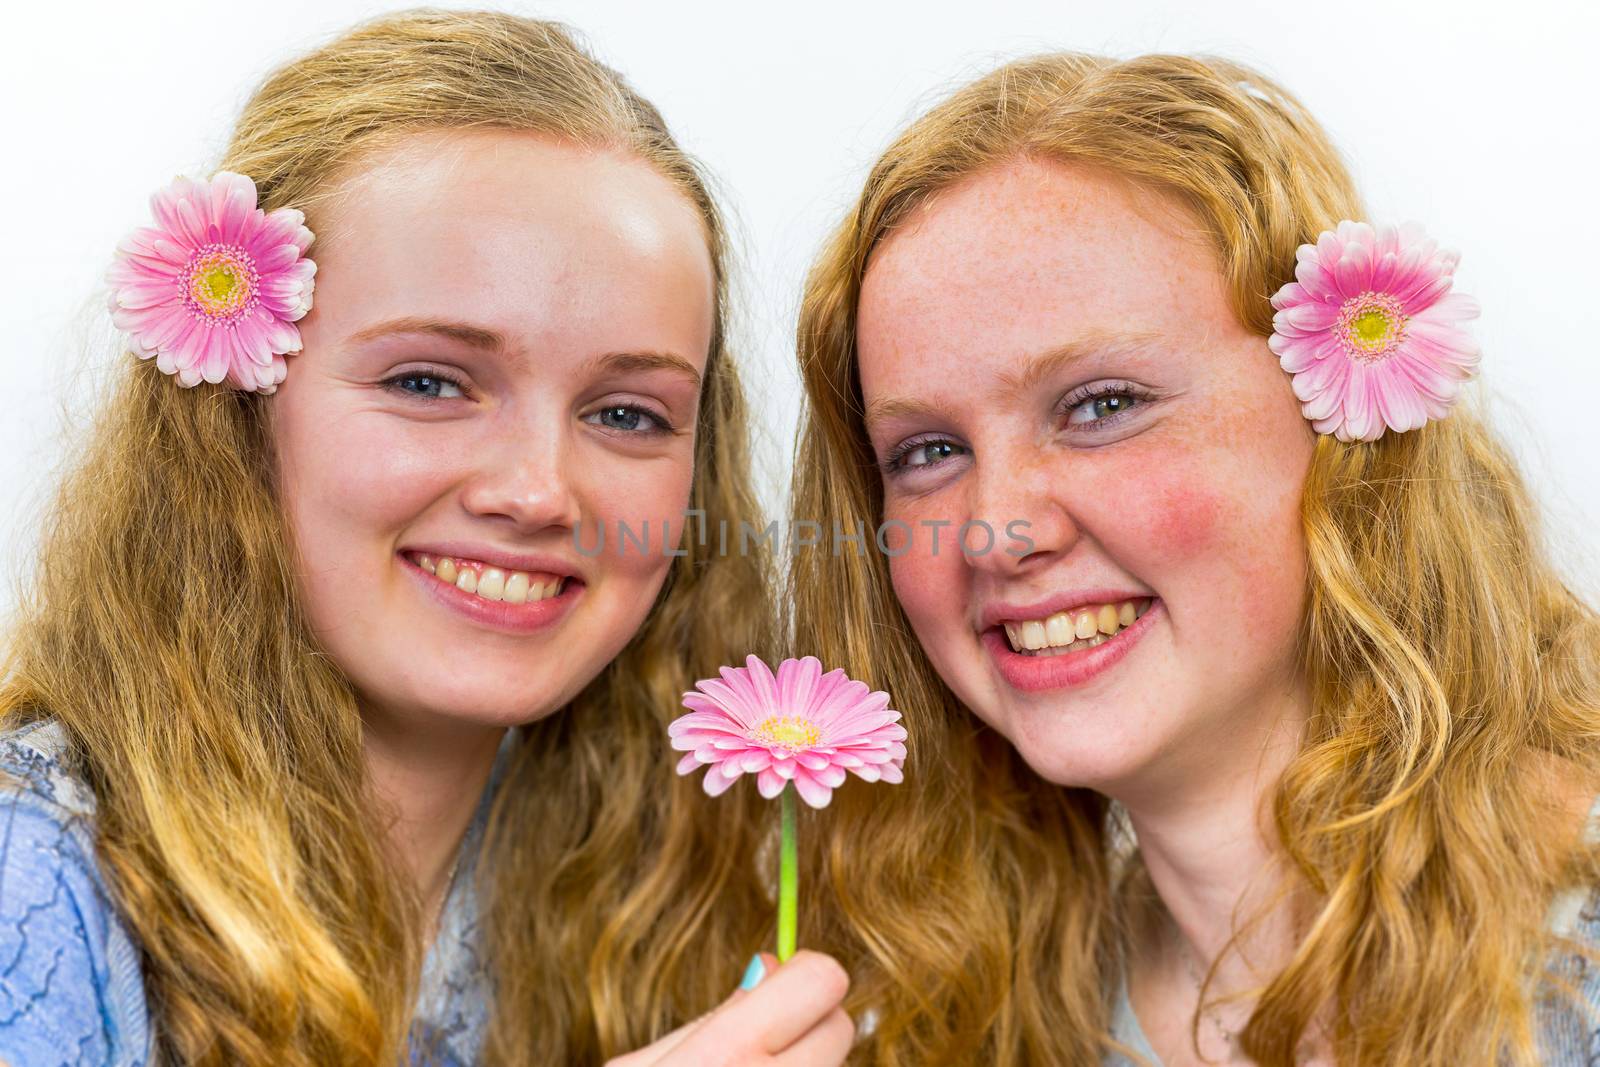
(753, 973)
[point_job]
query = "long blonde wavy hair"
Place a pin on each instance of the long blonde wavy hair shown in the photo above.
(1456, 678)
(235, 825)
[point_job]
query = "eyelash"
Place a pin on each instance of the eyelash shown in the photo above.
(429, 375)
(1079, 397)
(1074, 400)
(662, 426)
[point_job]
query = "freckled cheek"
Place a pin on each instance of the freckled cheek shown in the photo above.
(1229, 551)
(1184, 522)
(929, 586)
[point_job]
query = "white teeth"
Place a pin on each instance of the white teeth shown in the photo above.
(1033, 635)
(492, 583)
(1080, 629)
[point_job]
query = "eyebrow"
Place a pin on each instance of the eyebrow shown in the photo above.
(1034, 369)
(624, 362)
(491, 341)
(465, 332)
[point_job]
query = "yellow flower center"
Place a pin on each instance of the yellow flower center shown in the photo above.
(220, 284)
(1371, 326)
(790, 731)
(220, 281)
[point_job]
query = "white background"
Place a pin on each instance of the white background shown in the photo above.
(1478, 120)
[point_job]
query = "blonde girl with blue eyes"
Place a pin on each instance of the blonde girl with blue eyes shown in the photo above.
(322, 741)
(1274, 737)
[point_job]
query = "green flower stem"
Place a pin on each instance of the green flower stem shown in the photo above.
(788, 879)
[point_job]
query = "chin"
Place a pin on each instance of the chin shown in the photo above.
(1079, 753)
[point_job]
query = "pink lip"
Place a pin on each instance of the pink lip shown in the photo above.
(497, 614)
(996, 613)
(1036, 673)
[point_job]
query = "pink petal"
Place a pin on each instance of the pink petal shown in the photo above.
(1306, 319)
(1315, 279)
(830, 776)
(717, 782)
(277, 259)
(147, 294)
(233, 199)
(193, 226)
(770, 783)
(688, 764)
(1353, 271)
(797, 683)
(812, 791)
(764, 685)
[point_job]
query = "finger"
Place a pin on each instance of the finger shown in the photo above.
(794, 998)
(663, 1045)
(761, 965)
(824, 1045)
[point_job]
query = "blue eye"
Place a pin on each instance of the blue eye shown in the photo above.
(426, 385)
(629, 419)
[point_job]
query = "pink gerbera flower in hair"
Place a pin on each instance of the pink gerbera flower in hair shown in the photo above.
(1371, 332)
(213, 290)
(800, 726)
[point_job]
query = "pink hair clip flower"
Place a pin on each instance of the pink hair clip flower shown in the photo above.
(213, 290)
(799, 731)
(1371, 332)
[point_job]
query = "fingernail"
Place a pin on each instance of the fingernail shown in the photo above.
(753, 973)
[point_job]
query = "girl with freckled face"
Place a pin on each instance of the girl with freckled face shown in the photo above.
(1242, 742)
(335, 724)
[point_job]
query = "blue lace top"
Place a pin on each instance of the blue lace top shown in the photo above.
(1567, 1036)
(71, 989)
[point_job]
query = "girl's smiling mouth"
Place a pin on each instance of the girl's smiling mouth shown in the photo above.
(1049, 653)
(514, 601)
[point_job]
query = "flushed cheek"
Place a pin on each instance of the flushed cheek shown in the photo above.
(1216, 552)
(1183, 521)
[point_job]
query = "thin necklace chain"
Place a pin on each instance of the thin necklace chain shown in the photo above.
(1190, 965)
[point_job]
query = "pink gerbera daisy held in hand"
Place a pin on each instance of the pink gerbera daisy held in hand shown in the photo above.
(1371, 332)
(213, 290)
(800, 726)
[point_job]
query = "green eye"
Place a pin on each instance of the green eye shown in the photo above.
(929, 454)
(1100, 406)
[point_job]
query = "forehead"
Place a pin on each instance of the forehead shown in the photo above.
(1026, 256)
(514, 229)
